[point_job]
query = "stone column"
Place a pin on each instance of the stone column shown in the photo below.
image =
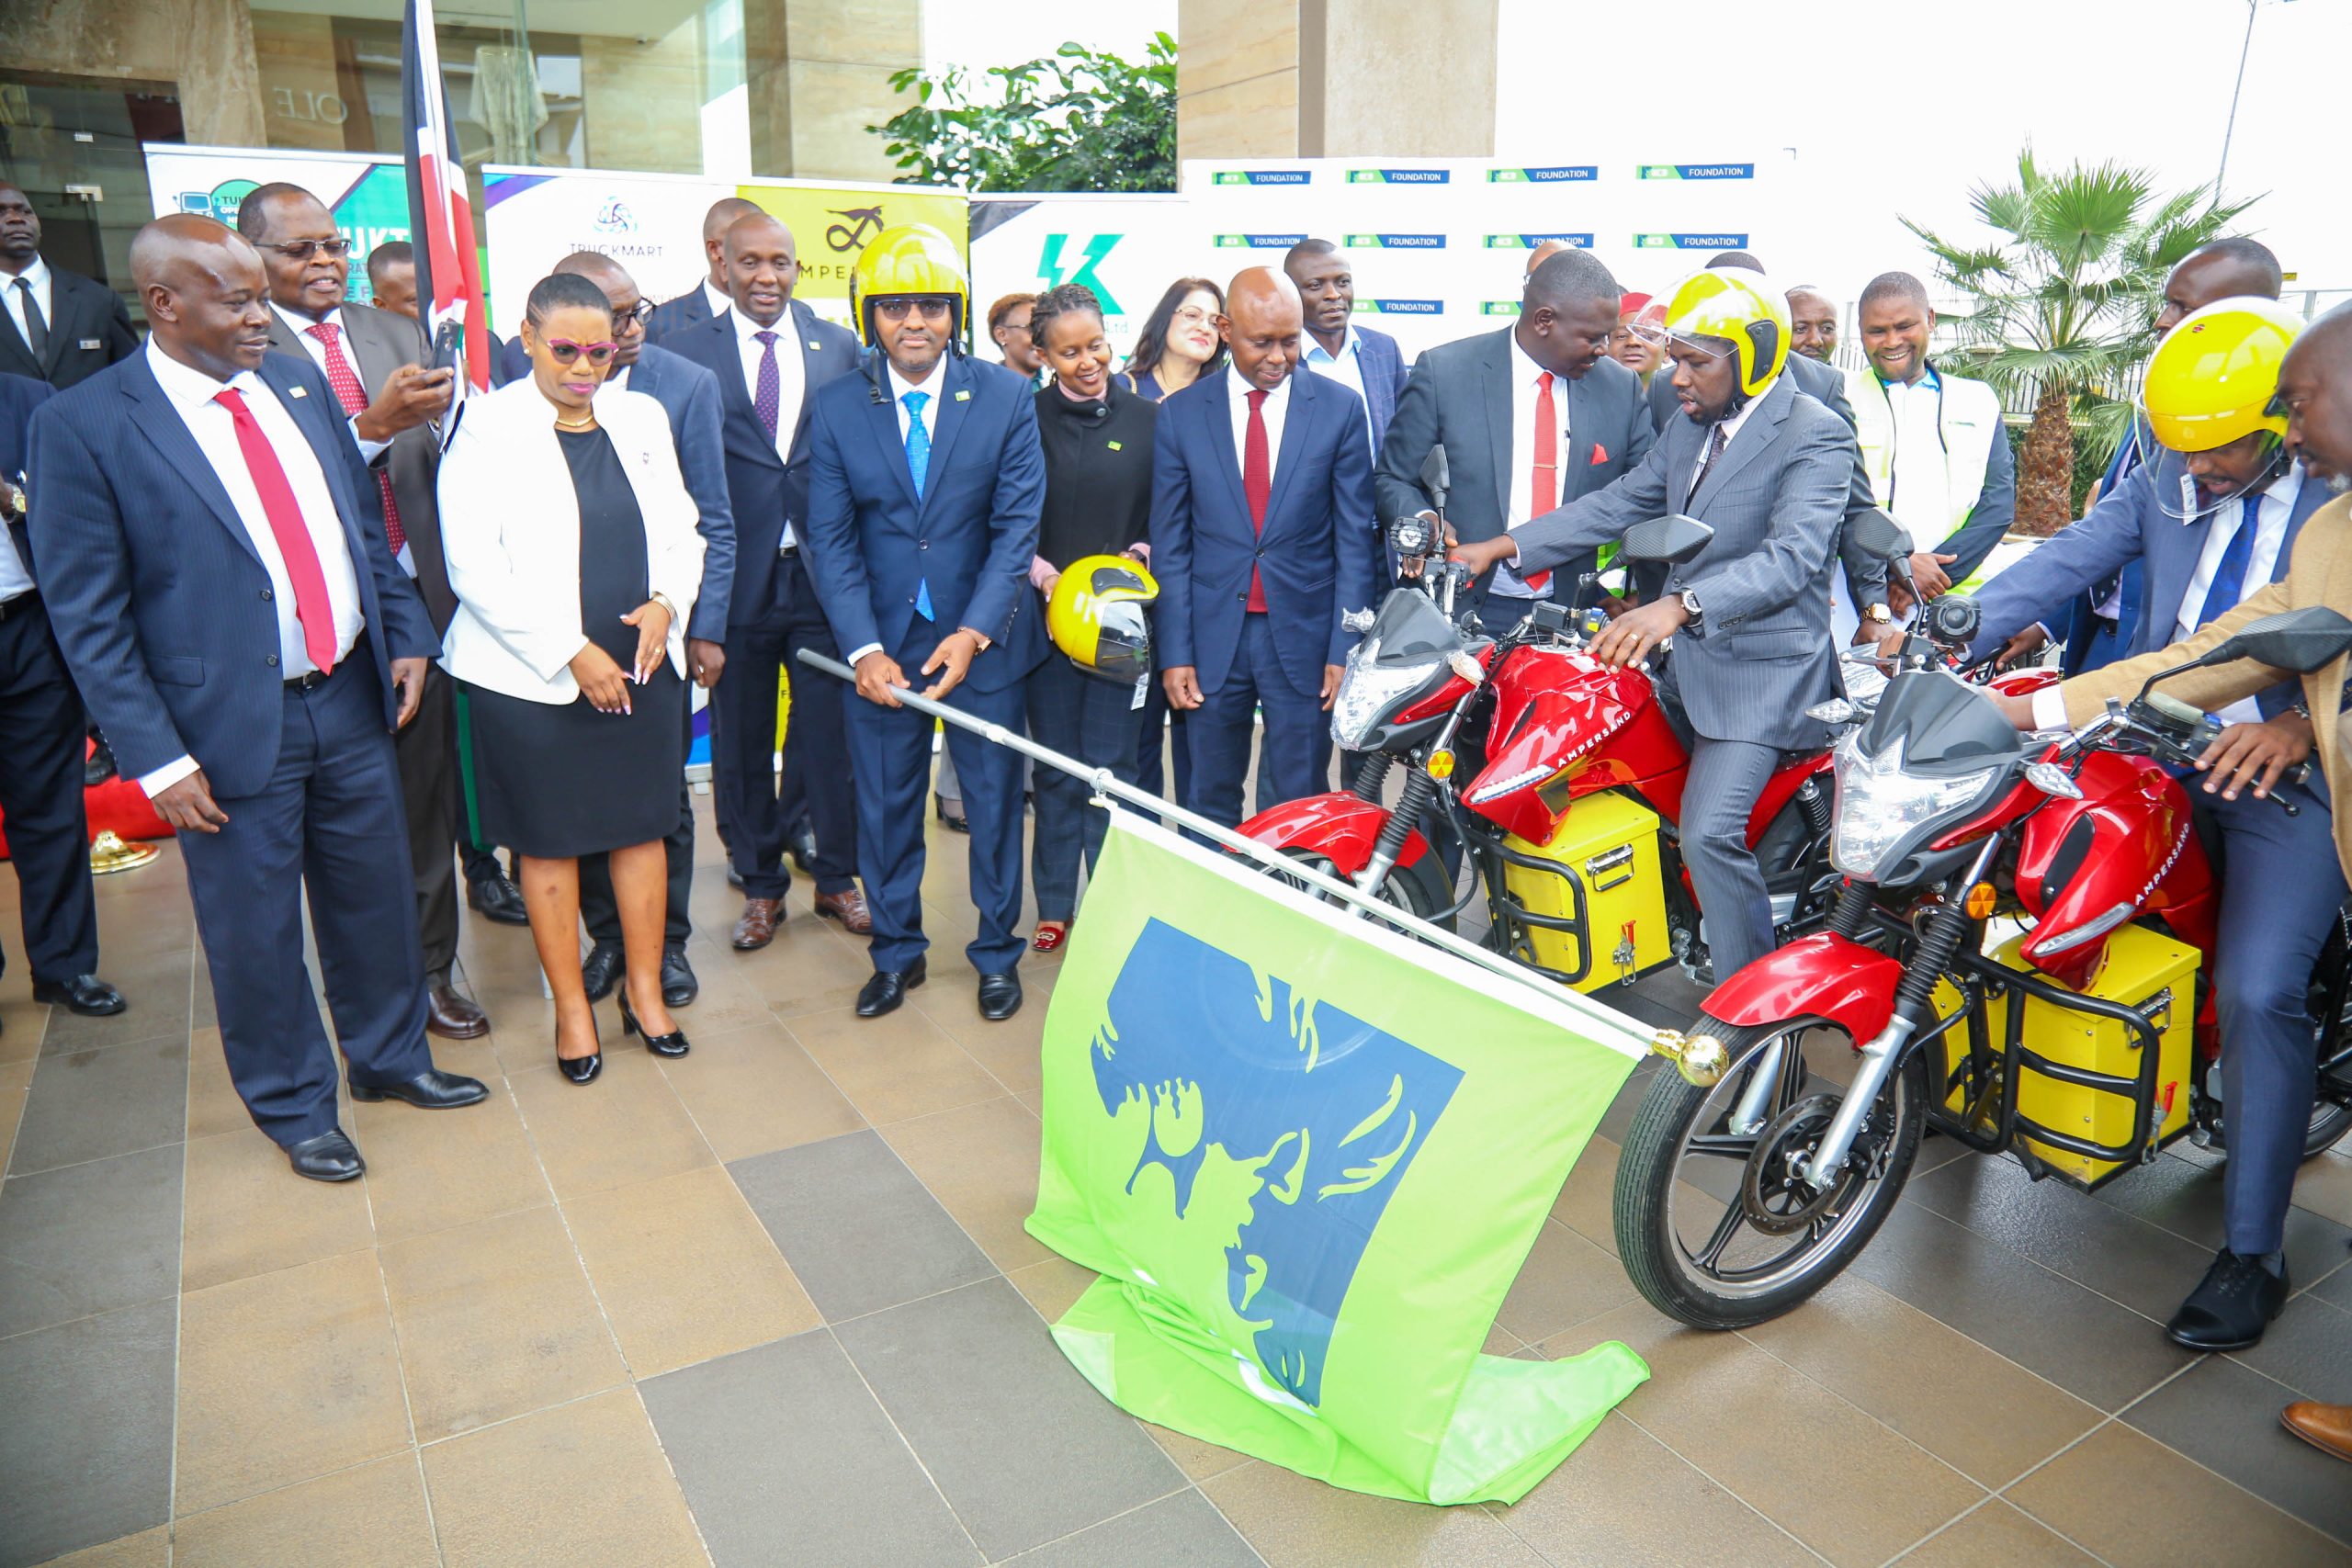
(819, 74)
(204, 47)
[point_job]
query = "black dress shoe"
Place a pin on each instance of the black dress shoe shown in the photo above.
(497, 901)
(431, 1090)
(803, 846)
(999, 996)
(2231, 1307)
(84, 993)
(601, 970)
(330, 1157)
(678, 987)
(99, 766)
(888, 987)
(672, 1044)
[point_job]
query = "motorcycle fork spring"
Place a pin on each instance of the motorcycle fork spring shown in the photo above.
(1372, 776)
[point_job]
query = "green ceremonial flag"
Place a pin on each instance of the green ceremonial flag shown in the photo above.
(1308, 1154)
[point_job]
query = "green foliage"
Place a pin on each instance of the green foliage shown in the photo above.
(1072, 120)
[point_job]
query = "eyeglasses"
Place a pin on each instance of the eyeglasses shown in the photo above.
(566, 351)
(636, 320)
(897, 310)
(1191, 316)
(303, 250)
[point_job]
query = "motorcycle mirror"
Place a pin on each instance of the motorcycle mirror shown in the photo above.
(1672, 539)
(1880, 536)
(2300, 641)
(1436, 478)
(1357, 621)
(1836, 710)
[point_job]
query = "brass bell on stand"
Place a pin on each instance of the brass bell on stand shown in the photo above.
(110, 853)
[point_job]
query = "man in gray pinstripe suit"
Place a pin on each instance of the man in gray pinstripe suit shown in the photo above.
(1768, 468)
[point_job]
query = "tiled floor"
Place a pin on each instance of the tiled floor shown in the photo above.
(772, 1304)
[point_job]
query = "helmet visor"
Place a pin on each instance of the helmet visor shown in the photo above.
(1122, 644)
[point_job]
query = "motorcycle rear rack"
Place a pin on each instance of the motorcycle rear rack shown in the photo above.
(1512, 919)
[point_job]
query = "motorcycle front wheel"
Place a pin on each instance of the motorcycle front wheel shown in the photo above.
(1418, 889)
(1713, 1226)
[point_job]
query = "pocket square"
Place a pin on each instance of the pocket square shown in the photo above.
(1599, 454)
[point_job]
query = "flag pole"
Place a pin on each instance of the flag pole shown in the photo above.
(1106, 782)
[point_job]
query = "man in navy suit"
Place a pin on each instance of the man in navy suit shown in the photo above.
(41, 732)
(710, 296)
(925, 484)
(770, 353)
(1368, 363)
(215, 564)
(689, 394)
(55, 326)
(1263, 537)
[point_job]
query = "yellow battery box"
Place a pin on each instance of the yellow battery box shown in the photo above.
(2143, 970)
(1607, 846)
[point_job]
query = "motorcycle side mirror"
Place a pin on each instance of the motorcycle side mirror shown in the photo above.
(1436, 478)
(2300, 641)
(1880, 536)
(1672, 539)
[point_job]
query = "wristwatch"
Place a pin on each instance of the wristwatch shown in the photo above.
(1879, 615)
(1690, 605)
(670, 609)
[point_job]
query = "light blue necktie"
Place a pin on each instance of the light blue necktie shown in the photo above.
(918, 440)
(2229, 573)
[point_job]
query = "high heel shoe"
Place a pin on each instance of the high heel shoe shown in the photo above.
(672, 1044)
(584, 1069)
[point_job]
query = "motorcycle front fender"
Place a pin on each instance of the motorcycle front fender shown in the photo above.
(1824, 975)
(1339, 826)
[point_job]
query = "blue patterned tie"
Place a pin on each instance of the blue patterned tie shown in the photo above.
(767, 399)
(2229, 578)
(918, 440)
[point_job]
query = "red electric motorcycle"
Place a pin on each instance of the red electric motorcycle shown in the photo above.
(1558, 773)
(2082, 1046)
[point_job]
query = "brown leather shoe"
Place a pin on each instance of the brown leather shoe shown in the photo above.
(849, 909)
(452, 1016)
(2327, 1428)
(756, 929)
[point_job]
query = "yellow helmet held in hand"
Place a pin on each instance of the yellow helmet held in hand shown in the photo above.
(1096, 615)
(909, 259)
(2214, 378)
(1731, 304)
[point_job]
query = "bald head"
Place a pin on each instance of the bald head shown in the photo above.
(206, 297)
(715, 224)
(2225, 269)
(759, 266)
(1262, 323)
(1545, 253)
(2316, 386)
(595, 266)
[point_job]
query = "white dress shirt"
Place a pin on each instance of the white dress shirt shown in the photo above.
(1346, 367)
(2275, 504)
(44, 297)
(1731, 433)
(899, 386)
(1525, 377)
(716, 299)
(1277, 406)
(300, 326)
(16, 576)
(191, 393)
(791, 382)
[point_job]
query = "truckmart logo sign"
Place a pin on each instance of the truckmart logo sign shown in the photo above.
(1262, 177)
(1690, 241)
(1696, 172)
(1396, 241)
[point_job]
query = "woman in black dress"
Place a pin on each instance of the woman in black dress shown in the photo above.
(1096, 432)
(572, 547)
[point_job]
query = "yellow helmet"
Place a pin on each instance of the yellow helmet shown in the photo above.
(909, 259)
(2214, 378)
(1730, 303)
(1096, 615)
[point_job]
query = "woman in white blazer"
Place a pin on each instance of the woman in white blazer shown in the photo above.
(572, 547)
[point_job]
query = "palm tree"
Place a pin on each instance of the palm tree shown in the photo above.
(2065, 303)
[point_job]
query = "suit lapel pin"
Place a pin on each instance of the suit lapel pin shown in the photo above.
(92, 343)
(964, 395)
(815, 345)
(299, 391)
(1115, 447)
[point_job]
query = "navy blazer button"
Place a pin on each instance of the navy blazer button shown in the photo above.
(923, 544)
(271, 661)
(266, 593)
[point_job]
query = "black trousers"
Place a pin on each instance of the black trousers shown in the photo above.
(600, 911)
(427, 750)
(816, 750)
(42, 733)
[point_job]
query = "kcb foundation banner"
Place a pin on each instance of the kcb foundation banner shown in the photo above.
(1307, 1156)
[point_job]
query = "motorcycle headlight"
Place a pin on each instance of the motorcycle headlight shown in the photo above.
(1881, 809)
(1370, 691)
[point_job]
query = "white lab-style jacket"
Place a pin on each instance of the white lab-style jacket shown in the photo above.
(510, 532)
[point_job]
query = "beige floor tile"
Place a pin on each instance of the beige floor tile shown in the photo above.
(375, 1517)
(1052, 1286)
(495, 1318)
(584, 1483)
(284, 1377)
(1902, 1366)
(686, 1272)
(212, 1104)
(980, 1162)
(754, 1090)
(1008, 1050)
(1709, 1394)
(894, 1066)
(2324, 1186)
(22, 1021)
(2077, 1495)
(727, 1002)
(16, 1086)
(626, 1127)
(148, 1549)
(1297, 1523)
(807, 968)
(1624, 1500)
(1584, 1202)
(1565, 1281)
(247, 1213)
(1197, 1459)
(428, 1171)
(1998, 1536)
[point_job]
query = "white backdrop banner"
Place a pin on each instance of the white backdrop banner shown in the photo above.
(1125, 248)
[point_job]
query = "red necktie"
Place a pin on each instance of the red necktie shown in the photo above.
(286, 524)
(1543, 491)
(1256, 485)
(354, 399)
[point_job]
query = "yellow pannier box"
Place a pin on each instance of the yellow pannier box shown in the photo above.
(1608, 845)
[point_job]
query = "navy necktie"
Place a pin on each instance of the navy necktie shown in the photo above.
(2229, 578)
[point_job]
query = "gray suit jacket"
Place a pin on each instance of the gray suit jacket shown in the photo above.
(1460, 394)
(1776, 498)
(378, 342)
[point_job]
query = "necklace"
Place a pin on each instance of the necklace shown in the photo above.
(588, 423)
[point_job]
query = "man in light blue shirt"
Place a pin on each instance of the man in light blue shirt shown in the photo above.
(1366, 362)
